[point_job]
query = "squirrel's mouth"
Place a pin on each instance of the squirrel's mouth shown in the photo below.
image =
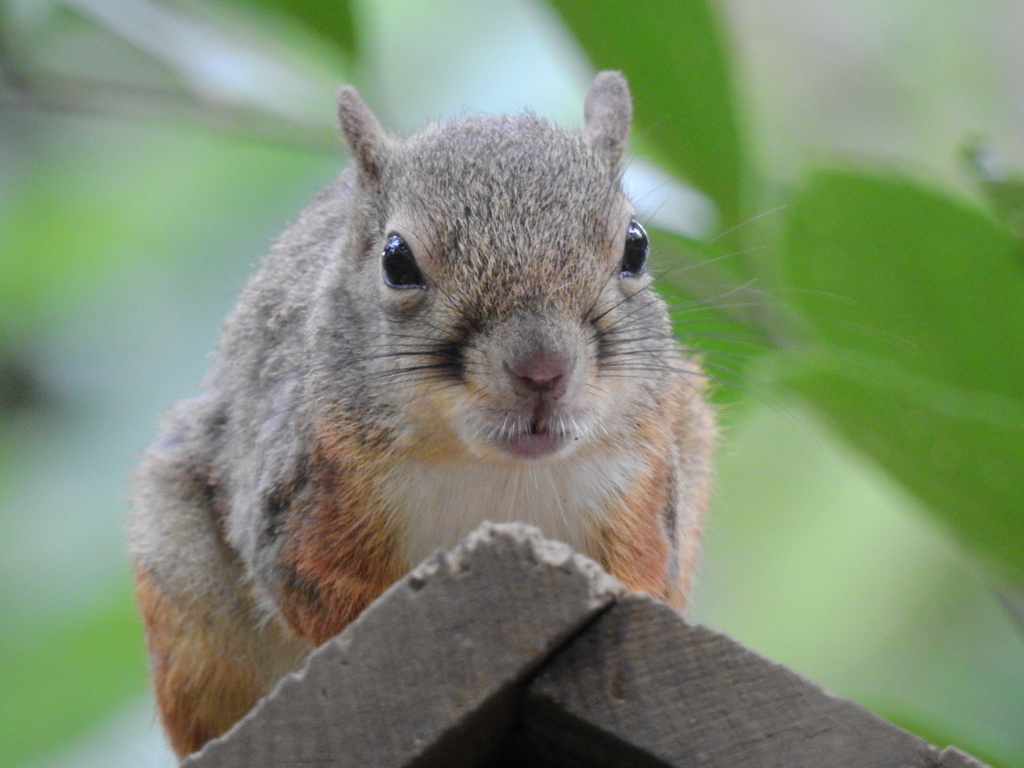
(533, 439)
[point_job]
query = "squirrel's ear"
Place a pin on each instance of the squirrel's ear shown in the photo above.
(365, 138)
(607, 112)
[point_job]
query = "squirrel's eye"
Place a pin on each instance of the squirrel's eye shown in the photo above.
(634, 256)
(399, 265)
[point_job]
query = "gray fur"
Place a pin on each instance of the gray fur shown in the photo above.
(519, 227)
(365, 138)
(607, 113)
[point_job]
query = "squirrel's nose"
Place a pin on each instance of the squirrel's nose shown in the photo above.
(539, 373)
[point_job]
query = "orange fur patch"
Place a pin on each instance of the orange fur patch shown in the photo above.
(341, 551)
(633, 544)
(201, 687)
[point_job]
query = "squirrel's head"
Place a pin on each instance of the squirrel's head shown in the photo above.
(508, 279)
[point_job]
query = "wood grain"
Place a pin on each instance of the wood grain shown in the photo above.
(515, 651)
(432, 672)
(661, 692)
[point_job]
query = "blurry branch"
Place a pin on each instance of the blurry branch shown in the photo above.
(82, 96)
(10, 76)
(195, 56)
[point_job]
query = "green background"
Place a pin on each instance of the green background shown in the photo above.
(834, 197)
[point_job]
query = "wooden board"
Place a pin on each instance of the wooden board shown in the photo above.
(515, 651)
(643, 687)
(432, 672)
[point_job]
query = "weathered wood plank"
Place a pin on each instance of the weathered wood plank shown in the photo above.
(641, 687)
(432, 672)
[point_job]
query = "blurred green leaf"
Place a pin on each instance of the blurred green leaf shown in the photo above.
(104, 197)
(713, 314)
(54, 240)
(918, 303)
(961, 464)
(1007, 198)
(674, 57)
(59, 680)
(1001, 186)
(330, 19)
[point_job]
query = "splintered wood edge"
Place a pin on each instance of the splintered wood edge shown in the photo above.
(529, 539)
(951, 757)
(432, 671)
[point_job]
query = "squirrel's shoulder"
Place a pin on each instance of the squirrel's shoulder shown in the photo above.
(270, 317)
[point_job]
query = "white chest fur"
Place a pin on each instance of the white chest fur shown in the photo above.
(440, 504)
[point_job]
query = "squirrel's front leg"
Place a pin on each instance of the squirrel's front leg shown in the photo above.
(334, 565)
(652, 534)
(214, 653)
(634, 544)
(339, 549)
(211, 660)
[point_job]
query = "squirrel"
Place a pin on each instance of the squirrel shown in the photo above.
(461, 328)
